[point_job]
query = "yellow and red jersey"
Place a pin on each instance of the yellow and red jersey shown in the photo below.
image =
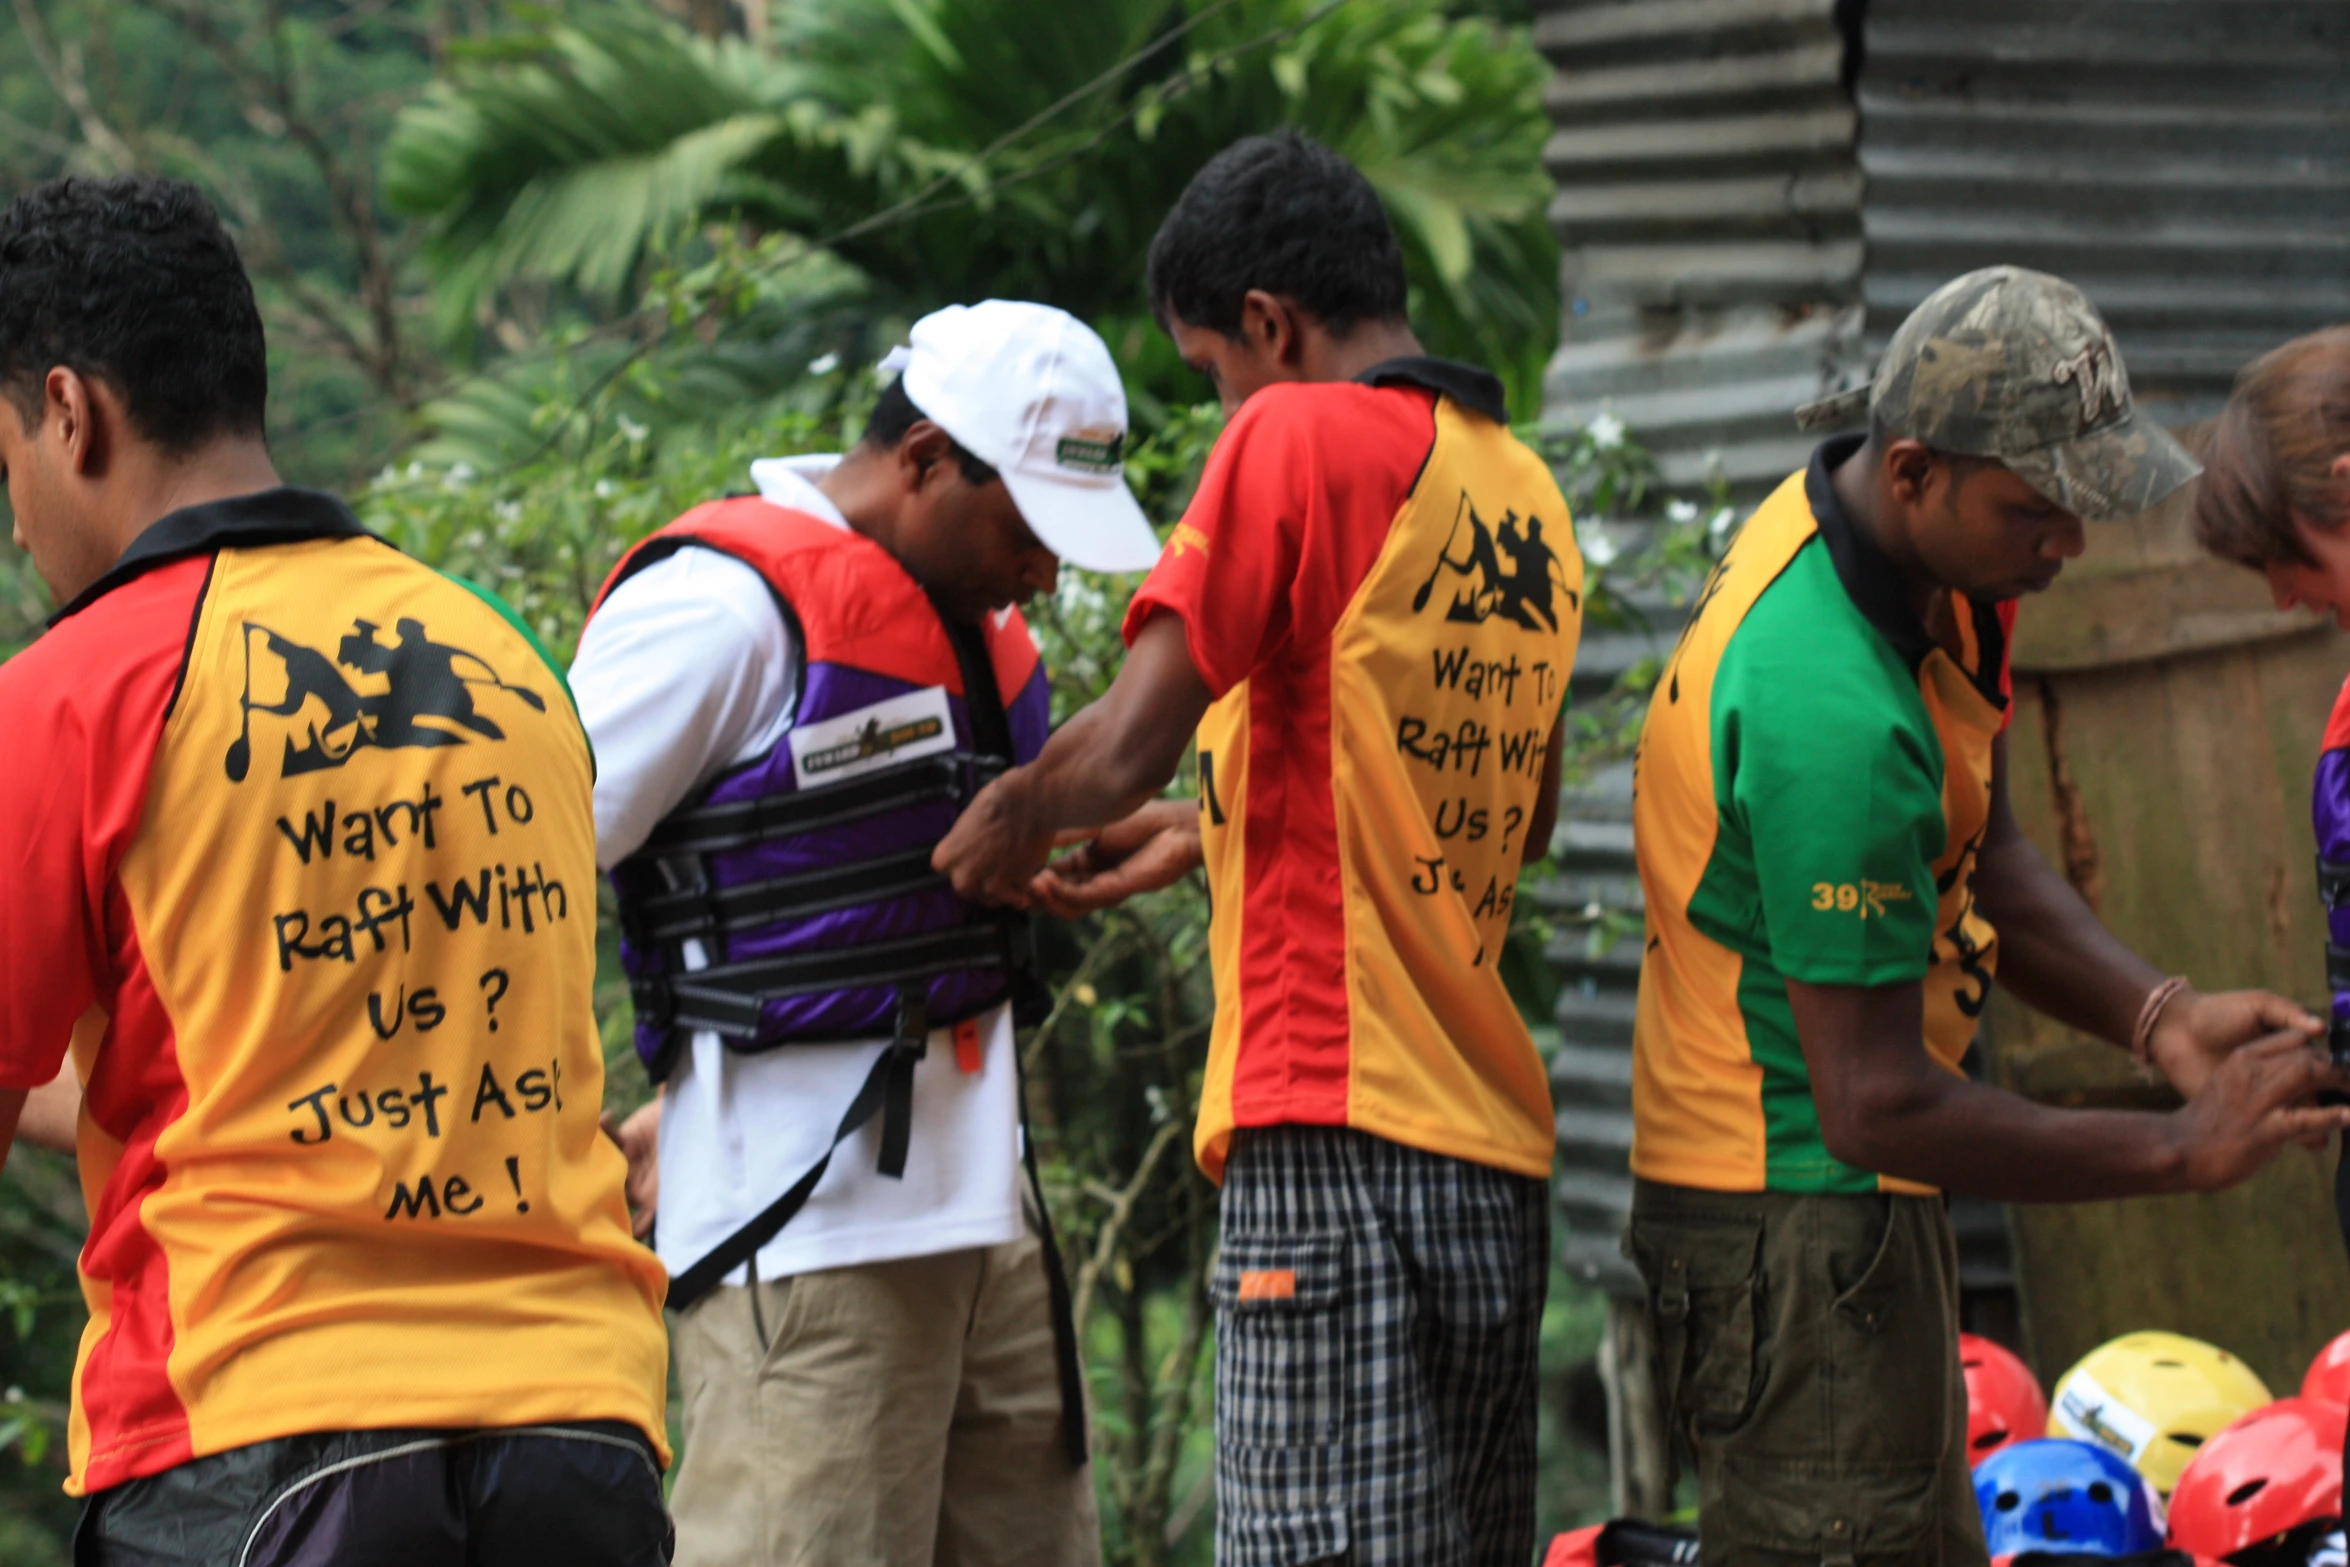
(1380, 586)
(303, 832)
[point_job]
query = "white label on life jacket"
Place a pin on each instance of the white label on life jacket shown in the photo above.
(851, 745)
(2088, 1413)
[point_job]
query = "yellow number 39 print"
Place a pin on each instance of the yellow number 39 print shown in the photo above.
(1867, 898)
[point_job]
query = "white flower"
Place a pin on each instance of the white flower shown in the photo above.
(508, 511)
(603, 489)
(1723, 520)
(633, 430)
(1606, 432)
(1600, 550)
(824, 364)
(460, 475)
(1680, 513)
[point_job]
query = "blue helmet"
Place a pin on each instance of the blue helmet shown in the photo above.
(2060, 1495)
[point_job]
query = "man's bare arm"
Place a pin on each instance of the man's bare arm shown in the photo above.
(1885, 1106)
(1099, 767)
(52, 1113)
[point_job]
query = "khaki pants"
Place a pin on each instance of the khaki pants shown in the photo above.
(1808, 1351)
(906, 1414)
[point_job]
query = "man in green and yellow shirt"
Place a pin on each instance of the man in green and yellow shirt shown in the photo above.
(1833, 878)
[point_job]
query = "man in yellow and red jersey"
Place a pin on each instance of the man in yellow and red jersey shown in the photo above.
(301, 861)
(1369, 612)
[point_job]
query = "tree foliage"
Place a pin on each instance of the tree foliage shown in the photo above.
(964, 148)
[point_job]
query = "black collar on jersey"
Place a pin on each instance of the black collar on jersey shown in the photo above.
(1876, 588)
(1464, 384)
(281, 516)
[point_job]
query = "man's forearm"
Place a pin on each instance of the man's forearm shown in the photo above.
(2054, 953)
(1978, 1141)
(1089, 775)
(51, 1115)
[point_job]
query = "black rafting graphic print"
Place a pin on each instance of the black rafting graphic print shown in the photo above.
(427, 699)
(1526, 594)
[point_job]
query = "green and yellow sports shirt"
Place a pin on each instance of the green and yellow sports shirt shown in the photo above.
(1812, 788)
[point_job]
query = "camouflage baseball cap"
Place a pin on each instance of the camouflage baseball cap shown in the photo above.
(2018, 366)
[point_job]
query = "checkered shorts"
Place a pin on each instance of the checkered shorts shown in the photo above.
(1377, 1315)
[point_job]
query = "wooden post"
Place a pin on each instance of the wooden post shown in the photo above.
(1639, 1441)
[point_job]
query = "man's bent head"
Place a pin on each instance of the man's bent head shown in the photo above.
(1277, 242)
(129, 339)
(2000, 421)
(998, 453)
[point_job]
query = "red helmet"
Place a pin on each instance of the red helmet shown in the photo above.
(2003, 1400)
(2272, 1471)
(2328, 1380)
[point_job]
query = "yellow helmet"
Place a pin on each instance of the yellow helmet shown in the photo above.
(2154, 1399)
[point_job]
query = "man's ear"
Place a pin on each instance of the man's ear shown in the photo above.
(921, 452)
(1908, 466)
(79, 411)
(1274, 327)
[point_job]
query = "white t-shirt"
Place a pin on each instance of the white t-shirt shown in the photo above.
(687, 670)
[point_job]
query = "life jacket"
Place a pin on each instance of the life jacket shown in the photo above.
(804, 874)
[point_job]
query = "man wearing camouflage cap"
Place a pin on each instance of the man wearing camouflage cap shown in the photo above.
(1833, 876)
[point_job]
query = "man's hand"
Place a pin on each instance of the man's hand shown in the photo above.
(1155, 847)
(996, 847)
(639, 1138)
(2196, 1032)
(2250, 1105)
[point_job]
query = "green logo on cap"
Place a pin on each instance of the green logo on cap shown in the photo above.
(1094, 456)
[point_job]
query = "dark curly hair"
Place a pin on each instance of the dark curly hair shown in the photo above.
(133, 282)
(1285, 214)
(895, 414)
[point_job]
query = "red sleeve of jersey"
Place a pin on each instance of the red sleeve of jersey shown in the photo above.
(1290, 515)
(92, 696)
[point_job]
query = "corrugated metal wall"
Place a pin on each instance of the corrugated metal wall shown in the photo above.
(1709, 206)
(2186, 162)
(1753, 193)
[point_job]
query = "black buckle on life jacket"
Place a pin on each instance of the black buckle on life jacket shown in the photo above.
(655, 1000)
(2333, 882)
(2337, 967)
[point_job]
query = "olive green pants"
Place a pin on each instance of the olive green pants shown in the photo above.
(1808, 1351)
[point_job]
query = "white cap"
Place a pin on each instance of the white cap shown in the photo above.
(1032, 392)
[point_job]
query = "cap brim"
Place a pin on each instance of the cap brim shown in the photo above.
(1095, 526)
(1840, 412)
(2112, 475)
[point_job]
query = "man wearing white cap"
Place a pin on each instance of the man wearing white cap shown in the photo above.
(792, 697)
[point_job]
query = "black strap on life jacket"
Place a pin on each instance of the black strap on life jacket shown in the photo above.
(743, 824)
(888, 1091)
(727, 999)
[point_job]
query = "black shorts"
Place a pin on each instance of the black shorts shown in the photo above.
(574, 1495)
